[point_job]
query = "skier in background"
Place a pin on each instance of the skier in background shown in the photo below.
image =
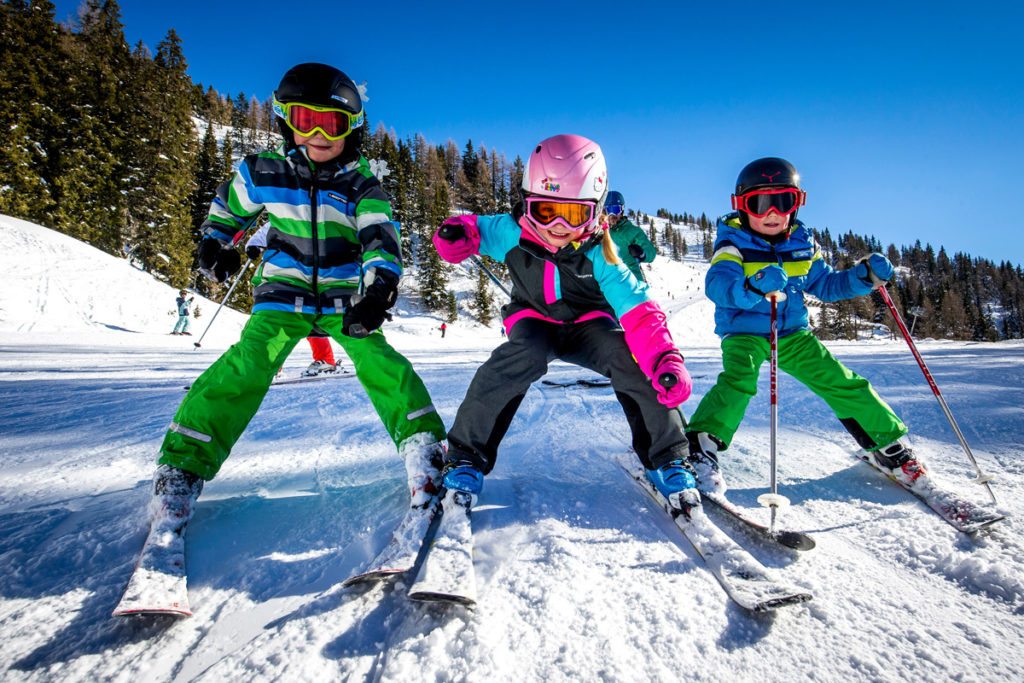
(443, 328)
(184, 315)
(319, 342)
(632, 242)
(570, 293)
(762, 248)
(332, 261)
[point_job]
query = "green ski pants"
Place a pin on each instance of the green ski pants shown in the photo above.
(223, 400)
(851, 397)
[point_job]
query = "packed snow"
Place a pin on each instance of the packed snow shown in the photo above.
(580, 576)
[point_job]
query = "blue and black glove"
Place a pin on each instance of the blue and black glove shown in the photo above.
(370, 312)
(874, 269)
(216, 261)
(769, 279)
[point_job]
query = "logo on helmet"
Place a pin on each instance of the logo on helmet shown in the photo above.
(598, 183)
(771, 177)
(550, 186)
(339, 98)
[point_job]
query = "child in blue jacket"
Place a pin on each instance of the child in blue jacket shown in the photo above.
(761, 249)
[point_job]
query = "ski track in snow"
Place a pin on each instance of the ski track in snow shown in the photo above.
(580, 577)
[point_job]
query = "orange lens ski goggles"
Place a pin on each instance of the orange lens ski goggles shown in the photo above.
(576, 215)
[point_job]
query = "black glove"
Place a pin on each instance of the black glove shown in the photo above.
(636, 251)
(253, 253)
(216, 261)
(371, 311)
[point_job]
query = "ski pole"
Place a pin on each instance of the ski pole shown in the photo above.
(238, 278)
(982, 478)
(774, 500)
(480, 262)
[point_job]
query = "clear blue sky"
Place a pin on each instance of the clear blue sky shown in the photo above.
(906, 120)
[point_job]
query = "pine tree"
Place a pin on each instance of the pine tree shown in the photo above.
(33, 66)
(433, 272)
(209, 174)
(164, 156)
(483, 300)
(88, 165)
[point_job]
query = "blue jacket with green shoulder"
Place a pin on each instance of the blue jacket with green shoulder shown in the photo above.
(739, 253)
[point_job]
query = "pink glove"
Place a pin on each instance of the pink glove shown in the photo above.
(672, 380)
(458, 238)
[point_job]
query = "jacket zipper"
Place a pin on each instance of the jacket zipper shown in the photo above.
(316, 242)
(781, 309)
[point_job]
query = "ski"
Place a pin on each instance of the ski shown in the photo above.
(301, 379)
(399, 555)
(960, 513)
(795, 540)
(158, 584)
(592, 383)
(312, 378)
(447, 573)
(745, 580)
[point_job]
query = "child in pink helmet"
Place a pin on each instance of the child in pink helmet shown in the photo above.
(572, 299)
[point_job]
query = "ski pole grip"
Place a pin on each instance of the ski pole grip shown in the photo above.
(668, 380)
(778, 295)
(876, 281)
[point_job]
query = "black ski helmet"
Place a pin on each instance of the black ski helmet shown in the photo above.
(324, 86)
(765, 172)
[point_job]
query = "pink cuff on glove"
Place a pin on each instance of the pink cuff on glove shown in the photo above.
(466, 245)
(647, 335)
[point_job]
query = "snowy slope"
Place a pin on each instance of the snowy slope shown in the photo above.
(59, 286)
(580, 577)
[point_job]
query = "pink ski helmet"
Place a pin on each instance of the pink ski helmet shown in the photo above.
(570, 168)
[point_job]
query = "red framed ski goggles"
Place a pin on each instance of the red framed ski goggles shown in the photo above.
(575, 216)
(757, 203)
(307, 119)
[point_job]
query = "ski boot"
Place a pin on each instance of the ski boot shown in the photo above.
(464, 483)
(900, 463)
(676, 481)
(423, 456)
(319, 367)
(175, 492)
(704, 459)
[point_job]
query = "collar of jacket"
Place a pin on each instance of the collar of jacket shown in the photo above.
(732, 221)
(306, 169)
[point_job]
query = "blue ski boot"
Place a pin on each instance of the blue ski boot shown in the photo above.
(676, 481)
(464, 482)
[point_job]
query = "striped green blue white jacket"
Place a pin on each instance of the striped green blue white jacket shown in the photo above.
(330, 229)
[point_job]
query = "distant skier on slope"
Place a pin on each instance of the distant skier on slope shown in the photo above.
(184, 314)
(332, 262)
(763, 248)
(319, 341)
(569, 295)
(633, 244)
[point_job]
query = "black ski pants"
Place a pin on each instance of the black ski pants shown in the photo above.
(599, 345)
